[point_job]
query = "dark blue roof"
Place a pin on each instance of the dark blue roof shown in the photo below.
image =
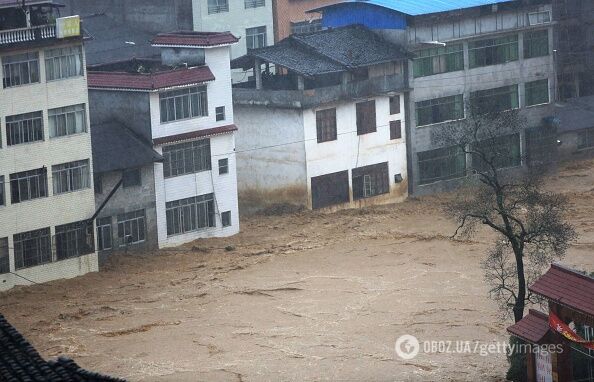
(420, 7)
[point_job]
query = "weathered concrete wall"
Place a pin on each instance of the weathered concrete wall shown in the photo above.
(131, 108)
(127, 200)
(149, 15)
(568, 150)
(270, 157)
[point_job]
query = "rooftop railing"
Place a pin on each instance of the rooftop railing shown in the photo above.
(15, 36)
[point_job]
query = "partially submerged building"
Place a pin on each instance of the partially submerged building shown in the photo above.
(322, 121)
(491, 51)
(46, 182)
(177, 115)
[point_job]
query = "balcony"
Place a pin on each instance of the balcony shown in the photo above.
(305, 99)
(21, 35)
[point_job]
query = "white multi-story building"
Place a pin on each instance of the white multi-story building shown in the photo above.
(250, 20)
(328, 128)
(46, 193)
(182, 105)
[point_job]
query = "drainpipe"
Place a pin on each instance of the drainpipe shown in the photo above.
(92, 218)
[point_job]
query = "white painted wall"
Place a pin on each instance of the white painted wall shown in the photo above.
(54, 209)
(236, 21)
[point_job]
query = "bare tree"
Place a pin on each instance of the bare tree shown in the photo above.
(509, 199)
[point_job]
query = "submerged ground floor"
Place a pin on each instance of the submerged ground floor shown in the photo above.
(308, 296)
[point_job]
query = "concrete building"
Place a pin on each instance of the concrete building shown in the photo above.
(46, 185)
(291, 17)
(500, 52)
(179, 108)
(249, 20)
(326, 130)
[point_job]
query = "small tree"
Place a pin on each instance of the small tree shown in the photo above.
(528, 220)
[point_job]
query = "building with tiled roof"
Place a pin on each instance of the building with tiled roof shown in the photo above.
(19, 362)
(180, 107)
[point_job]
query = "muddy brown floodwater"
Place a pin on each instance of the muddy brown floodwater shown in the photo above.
(304, 297)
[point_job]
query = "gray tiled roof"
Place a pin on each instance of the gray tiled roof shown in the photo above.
(116, 147)
(327, 51)
(112, 41)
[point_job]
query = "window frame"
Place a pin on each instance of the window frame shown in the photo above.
(129, 221)
(73, 240)
(42, 244)
(447, 59)
(64, 54)
(2, 191)
(182, 100)
(441, 156)
(220, 7)
(394, 102)
(306, 26)
(102, 225)
(496, 142)
(374, 180)
(585, 139)
(395, 129)
(190, 214)
(366, 117)
(133, 175)
(27, 176)
(251, 38)
(226, 219)
(4, 256)
(480, 98)
(326, 127)
(27, 125)
(223, 166)
(220, 113)
(68, 170)
(70, 114)
(435, 106)
(532, 37)
(250, 4)
(530, 86)
(184, 155)
(29, 59)
(494, 51)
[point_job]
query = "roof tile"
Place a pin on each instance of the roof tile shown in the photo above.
(151, 81)
(195, 39)
(194, 134)
(532, 328)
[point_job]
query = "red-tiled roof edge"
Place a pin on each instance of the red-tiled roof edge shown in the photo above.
(149, 82)
(196, 39)
(535, 323)
(194, 134)
(572, 272)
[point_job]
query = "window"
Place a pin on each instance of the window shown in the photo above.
(306, 26)
(537, 18)
(330, 189)
(4, 257)
(326, 125)
(255, 37)
(24, 128)
(220, 113)
(183, 103)
(585, 139)
(441, 164)
(365, 117)
(394, 105)
(32, 248)
(536, 44)
(63, 63)
(370, 181)
(537, 92)
(28, 185)
(20, 69)
(131, 228)
(226, 218)
(218, 6)
(67, 120)
(503, 151)
(496, 100)
(131, 178)
(254, 3)
(71, 176)
(438, 60)
(2, 191)
(439, 110)
(395, 130)
(223, 166)
(98, 183)
(104, 233)
(74, 239)
(186, 158)
(493, 51)
(190, 214)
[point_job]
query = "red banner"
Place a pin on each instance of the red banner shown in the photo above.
(560, 327)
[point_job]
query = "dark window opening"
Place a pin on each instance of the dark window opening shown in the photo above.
(223, 166)
(220, 113)
(330, 189)
(395, 130)
(441, 164)
(4, 259)
(366, 117)
(28, 185)
(394, 105)
(326, 125)
(131, 178)
(370, 181)
(226, 218)
(73, 240)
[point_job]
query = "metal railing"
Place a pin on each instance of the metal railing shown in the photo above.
(13, 36)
